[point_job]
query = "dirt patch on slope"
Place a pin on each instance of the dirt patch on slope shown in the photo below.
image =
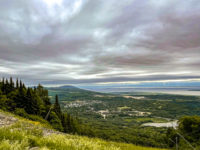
(6, 120)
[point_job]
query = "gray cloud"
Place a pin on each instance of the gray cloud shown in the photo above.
(120, 79)
(86, 41)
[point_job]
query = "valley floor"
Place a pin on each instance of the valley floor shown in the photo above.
(20, 134)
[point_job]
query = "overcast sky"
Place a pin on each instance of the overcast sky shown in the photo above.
(100, 41)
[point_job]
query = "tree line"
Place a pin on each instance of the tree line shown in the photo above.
(34, 103)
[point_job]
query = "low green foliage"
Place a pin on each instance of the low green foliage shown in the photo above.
(148, 119)
(125, 113)
(187, 134)
(25, 135)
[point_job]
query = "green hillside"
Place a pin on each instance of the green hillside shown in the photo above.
(22, 134)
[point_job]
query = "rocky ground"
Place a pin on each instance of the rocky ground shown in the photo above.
(6, 120)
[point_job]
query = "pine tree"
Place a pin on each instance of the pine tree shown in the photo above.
(28, 102)
(20, 98)
(43, 93)
(64, 122)
(7, 87)
(57, 108)
(23, 85)
(20, 84)
(12, 86)
(32, 102)
(55, 121)
(69, 123)
(17, 83)
(3, 86)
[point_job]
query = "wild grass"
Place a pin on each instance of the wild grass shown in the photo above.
(26, 134)
(35, 120)
(21, 137)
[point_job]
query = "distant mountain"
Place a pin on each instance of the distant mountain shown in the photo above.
(69, 92)
(68, 87)
(64, 87)
(71, 88)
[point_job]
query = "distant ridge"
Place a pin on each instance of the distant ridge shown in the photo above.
(65, 87)
(74, 88)
(68, 87)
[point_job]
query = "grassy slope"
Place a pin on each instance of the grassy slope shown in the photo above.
(26, 134)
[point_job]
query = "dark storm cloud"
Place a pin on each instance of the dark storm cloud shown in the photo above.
(87, 41)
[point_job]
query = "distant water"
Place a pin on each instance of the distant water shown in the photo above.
(179, 91)
(171, 90)
(173, 124)
(192, 93)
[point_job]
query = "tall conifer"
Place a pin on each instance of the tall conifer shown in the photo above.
(17, 83)
(57, 107)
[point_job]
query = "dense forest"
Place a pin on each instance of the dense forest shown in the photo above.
(34, 103)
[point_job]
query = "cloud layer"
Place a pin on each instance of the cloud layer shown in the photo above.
(87, 41)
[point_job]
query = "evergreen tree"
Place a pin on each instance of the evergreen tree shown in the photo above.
(20, 84)
(33, 103)
(55, 121)
(24, 101)
(7, 87)
(20, 98)
(43, 94)
(28, 104)
(11, 84)
(37, 104)
(3, 85)
(69, 124)
(17, 83)
(23, 85)
(57, 108)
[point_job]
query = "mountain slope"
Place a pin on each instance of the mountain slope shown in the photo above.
(70, 93)
(21, 134)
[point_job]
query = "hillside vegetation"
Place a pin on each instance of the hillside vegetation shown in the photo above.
(34, 104)
(121, 116)
(25, 134)
(49, 123)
